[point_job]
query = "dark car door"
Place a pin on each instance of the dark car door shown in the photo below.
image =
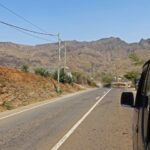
(143, 97)
(147, 113)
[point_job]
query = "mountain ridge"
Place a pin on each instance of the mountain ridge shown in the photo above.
(107, 55)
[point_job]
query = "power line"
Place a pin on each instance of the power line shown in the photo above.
(27, 33)
(35, 36)
(25, 29)
(21, 17)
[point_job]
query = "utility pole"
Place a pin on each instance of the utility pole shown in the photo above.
(59, 59)
(65, 56)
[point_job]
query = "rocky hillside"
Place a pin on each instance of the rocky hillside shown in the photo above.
(18, 88)
(109, 55)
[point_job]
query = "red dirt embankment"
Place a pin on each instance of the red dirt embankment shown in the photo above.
(18, 88)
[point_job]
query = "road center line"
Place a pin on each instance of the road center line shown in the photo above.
(66, 136)
(27, 109)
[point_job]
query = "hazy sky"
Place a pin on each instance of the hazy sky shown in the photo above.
(82, 20)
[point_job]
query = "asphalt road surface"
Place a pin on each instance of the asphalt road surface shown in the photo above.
(92, 120)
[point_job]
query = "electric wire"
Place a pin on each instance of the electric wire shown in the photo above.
(35, 36)
(21, 17)
(25, 29)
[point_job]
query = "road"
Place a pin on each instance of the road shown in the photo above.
(92, 120)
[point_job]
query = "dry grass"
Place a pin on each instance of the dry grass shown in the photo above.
(18, 88)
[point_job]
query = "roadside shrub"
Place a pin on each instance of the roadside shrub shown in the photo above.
(42, 72)
(68, 79)
(55, 74)
(63, 76)
(25, 68)
(59, 90)
(79, 78)
(132, 75)
(8, 105)
(91, 83)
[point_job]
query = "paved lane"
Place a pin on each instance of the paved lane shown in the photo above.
(108, 127)
(41, 128)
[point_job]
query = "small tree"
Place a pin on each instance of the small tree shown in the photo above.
(132, 75)
(25, 68)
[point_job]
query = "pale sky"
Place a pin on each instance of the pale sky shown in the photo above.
(82, 20)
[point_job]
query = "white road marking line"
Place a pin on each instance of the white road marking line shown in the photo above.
(40, 105)
(26, 110)
(66, 136)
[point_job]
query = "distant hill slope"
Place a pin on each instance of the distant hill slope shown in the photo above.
(109, 55)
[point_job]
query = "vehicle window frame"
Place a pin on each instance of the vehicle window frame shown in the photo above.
(148, 78)
(148, 97)
(142, 87)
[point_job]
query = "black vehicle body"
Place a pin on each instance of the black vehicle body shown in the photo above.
(141, 105)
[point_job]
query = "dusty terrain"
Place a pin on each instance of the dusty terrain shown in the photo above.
(18, 88)
(109, 55)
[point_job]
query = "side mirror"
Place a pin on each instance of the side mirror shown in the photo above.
(127, 99)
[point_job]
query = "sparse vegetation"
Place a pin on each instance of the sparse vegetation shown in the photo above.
(87, 57)
(135, 59)
(59, 90)
(107, 80)
(42, 72)
(91, 83)
(25, 68)
(79, 78)
(19, 89)
(64, 77)
(132, 75)
(8, 105)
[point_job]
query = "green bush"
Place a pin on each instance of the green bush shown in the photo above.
(25, 68)
(63, 76)
(132, 75)
(55, 74)
(42, 72)
(8, 105)
(68, 79)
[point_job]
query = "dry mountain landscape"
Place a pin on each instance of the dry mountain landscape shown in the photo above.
(109, 55)
(96, 58)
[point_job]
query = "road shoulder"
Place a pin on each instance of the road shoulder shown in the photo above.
(22, 109)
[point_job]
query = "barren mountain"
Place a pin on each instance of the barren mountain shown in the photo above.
(109, 55)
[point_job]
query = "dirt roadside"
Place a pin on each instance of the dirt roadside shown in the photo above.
(20, 89)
